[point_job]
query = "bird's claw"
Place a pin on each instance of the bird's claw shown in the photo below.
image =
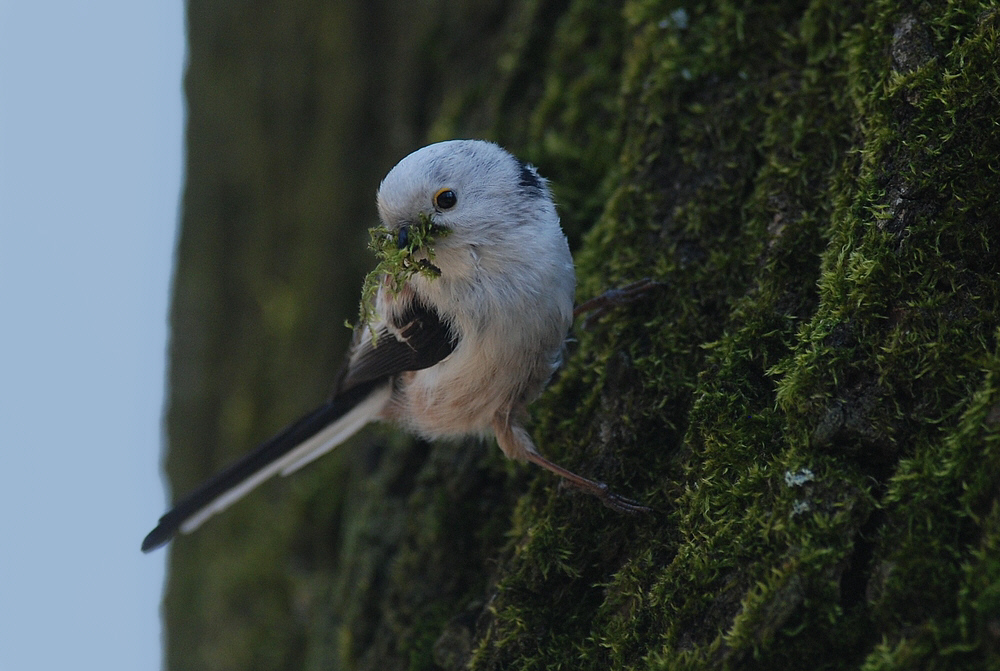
(598, 306)
(603, 493)
(621, 504)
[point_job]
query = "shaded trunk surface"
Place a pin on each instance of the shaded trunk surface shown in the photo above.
(811, 403)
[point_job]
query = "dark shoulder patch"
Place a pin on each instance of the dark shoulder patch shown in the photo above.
(424, 340)
(529, 176)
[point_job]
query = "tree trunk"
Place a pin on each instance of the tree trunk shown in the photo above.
(810, 402)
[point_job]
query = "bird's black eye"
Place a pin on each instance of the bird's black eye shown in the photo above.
(403, 237)
(445, 199)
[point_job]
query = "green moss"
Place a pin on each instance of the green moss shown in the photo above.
(397, 263)
(809, 401)
(758, 572)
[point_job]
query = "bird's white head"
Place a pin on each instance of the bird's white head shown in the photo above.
(498, 249)
(477, 192)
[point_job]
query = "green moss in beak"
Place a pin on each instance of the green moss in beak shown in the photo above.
(397, 262)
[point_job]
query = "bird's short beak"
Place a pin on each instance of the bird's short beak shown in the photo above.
(403, 237)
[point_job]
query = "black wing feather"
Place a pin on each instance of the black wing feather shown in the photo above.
(424, 340)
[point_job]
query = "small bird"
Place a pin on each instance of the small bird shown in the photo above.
(463, 324)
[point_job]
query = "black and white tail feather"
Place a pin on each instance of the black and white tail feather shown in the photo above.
(364, 389)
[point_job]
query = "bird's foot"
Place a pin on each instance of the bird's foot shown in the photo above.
(592, 487)
(598, 306)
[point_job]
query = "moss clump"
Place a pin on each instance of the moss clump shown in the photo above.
(401, 255)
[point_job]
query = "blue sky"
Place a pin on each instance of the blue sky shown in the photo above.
(91, 126)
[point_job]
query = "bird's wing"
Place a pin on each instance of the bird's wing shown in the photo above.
(363, 389)
(421, 339)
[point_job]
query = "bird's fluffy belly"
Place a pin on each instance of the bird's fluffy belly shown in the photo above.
(460, 396)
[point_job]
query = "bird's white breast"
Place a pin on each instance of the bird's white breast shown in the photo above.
(511, 316)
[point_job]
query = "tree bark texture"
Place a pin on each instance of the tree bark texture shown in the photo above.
(810, 403)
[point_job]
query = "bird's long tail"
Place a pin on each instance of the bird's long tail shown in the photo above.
(310, 437)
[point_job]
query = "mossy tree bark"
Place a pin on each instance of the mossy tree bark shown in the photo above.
(810, 403)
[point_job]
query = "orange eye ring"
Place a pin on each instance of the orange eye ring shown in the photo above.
(445, 199)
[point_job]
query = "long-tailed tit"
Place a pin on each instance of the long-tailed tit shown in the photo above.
(463, 334)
